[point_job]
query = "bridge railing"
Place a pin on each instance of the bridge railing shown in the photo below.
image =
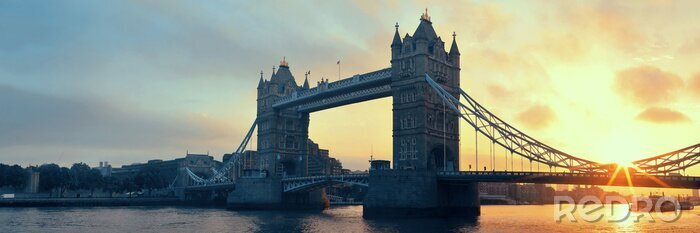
(344, 97)
(563, 174)
(348, 82)
(325, 177)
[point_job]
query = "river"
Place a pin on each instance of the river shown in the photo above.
(533, 218)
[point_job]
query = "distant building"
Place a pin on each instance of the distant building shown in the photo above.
(105, 168)
(319, 162)
(32, 181)
(248, 162)
(336, 167)
(200, 164)
(316, 162)
(379, 165)
(562, 187)
(521, 193)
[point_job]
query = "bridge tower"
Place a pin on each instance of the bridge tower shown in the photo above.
(282, 133)
(282, 138)
(425, 133)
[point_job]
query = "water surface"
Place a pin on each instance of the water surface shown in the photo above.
(536, 218)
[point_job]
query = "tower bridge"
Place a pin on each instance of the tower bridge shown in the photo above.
(428, 106)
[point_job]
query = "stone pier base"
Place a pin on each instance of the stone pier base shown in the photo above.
(407, 193)
(266, 194)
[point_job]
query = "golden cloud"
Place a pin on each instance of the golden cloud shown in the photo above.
(537, 116)
(611, 20)
(498, 92)
(662, 115)
(694, 85)
(563, 47)
(647, 85)
(481, 20)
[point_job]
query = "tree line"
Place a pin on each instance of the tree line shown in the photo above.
(56, 180)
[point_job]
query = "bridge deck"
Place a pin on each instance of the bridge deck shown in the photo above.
(218, 186)
(358, 88)
(636, 180)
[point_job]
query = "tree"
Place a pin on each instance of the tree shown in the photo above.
(128, 185)
(150, 178)
(64, 177)
(80, 174)
(50, 177)
(111, 185)
(17, 177)
(93, 180)
(14, 176)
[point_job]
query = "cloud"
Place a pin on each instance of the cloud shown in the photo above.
(690, 47)
(565, 47)
(694, 85)
(662, 115)
(498, 92)
(608, 20)
(537, 116)
(646, 85)
(35, 119)
(481, 21)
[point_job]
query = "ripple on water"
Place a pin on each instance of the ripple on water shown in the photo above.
(525, 219)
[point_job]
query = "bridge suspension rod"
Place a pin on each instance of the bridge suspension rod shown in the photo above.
(221, 175)
(510, 137)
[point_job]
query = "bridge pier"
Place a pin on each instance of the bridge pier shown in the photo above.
(459, 200)
(410, 193)
(267, 194)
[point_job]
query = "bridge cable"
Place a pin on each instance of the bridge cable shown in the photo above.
(491, 157)
(511, 161)
(444, 136)
(506, 160)
(476, 149)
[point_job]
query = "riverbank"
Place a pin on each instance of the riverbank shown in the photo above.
(87, 202)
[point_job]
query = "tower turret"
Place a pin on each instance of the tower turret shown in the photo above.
(261, 82)
(396, 44)
(306, 80)
(454, 51)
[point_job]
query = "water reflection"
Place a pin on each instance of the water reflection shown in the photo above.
(338, 219)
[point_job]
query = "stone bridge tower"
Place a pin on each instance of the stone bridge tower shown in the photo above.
(282, 133)
(425, 136)
(282, 137)
(426, 132)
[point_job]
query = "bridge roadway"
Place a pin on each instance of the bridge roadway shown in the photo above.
(358, 88)
(302, 184)
(216, 186)
(605, 179)
(299, 184)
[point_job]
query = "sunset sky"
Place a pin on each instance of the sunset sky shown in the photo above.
(129, 81)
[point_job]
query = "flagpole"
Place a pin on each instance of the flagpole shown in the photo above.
(338, 70)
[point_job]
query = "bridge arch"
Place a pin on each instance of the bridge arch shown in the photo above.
(441, 158)
(307, 184)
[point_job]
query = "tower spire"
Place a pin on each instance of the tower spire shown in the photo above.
(453, 49)
(397, 38)
(425, 15)
(284, 62)
(306, 80)
(262, 81)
